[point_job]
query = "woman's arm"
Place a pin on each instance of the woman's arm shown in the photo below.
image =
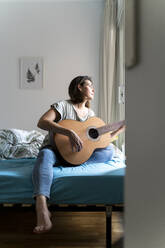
(48, 121)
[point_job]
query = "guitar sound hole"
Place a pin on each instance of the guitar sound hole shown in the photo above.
(93, 133)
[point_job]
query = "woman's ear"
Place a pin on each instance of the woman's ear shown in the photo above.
(79, 87)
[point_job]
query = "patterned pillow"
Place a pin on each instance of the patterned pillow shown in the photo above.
(16, 143)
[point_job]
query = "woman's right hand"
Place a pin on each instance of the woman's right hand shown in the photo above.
(75, 141)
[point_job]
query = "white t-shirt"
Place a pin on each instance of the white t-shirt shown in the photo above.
(67, 112)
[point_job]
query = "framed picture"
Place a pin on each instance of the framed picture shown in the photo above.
(31, 72)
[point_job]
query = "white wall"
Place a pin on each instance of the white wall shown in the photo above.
(66, 34)
(145, 139)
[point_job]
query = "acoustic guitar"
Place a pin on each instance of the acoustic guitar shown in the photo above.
(94, 134)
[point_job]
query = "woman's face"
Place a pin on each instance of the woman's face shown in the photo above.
(87, 89)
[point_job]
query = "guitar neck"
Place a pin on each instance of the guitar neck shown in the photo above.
(110, 127)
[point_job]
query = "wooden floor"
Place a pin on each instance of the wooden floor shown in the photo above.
(70, 230)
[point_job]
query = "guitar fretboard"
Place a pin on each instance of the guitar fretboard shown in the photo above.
(110, 127)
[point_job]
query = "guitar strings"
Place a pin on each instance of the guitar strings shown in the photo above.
(85, 137)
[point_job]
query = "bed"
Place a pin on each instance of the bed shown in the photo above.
(92, 187)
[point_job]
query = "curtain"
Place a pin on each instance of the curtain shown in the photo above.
(111, 108)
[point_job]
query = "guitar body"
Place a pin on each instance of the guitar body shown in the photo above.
(86, 131)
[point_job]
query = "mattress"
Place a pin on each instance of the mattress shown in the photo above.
(95, 183)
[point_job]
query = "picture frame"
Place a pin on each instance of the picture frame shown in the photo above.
(31, 72)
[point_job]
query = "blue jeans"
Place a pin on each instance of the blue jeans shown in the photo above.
(42, 174)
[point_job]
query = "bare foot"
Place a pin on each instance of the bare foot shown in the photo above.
(44, 223)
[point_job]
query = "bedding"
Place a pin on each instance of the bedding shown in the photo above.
(89, 183)
(96, 183)
(16, 143)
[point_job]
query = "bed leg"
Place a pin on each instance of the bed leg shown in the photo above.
(108, 226)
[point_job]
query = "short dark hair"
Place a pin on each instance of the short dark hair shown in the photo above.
(75, 94)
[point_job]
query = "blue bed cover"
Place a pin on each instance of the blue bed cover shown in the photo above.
(96, 183)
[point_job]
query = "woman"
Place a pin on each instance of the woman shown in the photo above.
(81, 92)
